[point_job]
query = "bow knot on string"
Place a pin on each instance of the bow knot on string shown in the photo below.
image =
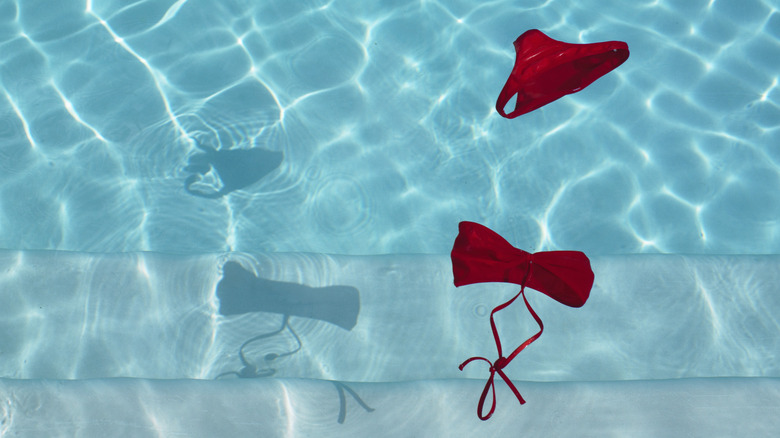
(499, 364)
(495, 367)
(480, 255)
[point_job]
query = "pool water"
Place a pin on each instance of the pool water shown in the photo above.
(163, 161)
(371, 130)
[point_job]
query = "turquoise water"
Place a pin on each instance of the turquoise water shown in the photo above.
(236, 131)
(346, 128)
(199, 190)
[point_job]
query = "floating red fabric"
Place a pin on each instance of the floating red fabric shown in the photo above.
(479, 255)
(546, 70)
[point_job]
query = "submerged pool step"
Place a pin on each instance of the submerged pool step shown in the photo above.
(302, 407)
(376, 318)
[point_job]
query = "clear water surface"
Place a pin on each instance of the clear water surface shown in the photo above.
(352, 127)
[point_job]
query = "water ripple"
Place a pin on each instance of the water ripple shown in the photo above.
(384, 116)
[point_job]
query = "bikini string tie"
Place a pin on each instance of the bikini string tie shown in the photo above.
(500, 363)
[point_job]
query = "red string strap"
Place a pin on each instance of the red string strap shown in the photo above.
(500, 363)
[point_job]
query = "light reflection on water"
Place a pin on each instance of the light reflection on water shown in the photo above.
(384, 120)
(374, 319)
(344, 127)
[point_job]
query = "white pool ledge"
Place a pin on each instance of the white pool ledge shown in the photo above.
(303, 407)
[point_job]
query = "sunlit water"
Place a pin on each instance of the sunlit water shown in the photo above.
(368, 129)
(153, 152)
(239, 130)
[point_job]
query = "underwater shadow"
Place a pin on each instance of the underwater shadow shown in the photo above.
(219, 172)
(240, 291)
